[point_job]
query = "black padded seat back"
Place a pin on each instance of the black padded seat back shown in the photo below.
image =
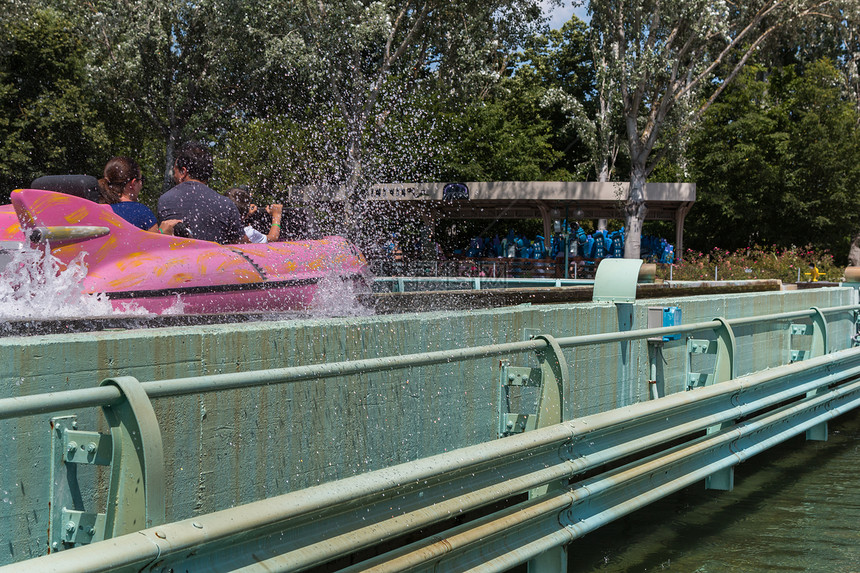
(84, 186)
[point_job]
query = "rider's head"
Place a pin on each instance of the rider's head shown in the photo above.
(193, 161)
(242, 198)
(118, 173)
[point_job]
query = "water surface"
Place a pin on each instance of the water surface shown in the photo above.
(795, 507)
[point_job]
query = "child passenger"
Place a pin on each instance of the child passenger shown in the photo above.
(242, 198)
(120, 187)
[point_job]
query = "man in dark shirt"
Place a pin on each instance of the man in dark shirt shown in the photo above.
(205, 213)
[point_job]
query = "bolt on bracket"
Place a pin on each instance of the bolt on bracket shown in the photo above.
(132, 450)
(550, 377)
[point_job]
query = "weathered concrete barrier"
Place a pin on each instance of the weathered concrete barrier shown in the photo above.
(236, 446)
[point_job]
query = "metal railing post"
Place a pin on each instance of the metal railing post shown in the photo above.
(555, 388)
(818, 347)
(724, 370)
(136, 491)
(556, 383)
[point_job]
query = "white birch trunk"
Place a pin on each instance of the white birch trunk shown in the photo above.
(634, 211)
(854, 252)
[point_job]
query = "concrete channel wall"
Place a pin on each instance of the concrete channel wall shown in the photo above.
(232, 447)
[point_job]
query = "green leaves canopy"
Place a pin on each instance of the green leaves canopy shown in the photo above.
(777, 161)
(51, 124)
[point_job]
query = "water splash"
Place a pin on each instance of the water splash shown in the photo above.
(177, 308)
(336, 297)
(34, 285)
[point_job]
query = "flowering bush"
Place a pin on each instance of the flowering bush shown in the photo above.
(754, 263)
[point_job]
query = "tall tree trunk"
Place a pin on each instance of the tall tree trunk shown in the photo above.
(634, 211)
(354, 203)
(603, 177)
(169, 153)
(603, 173)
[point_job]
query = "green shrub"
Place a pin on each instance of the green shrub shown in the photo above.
(754, 263)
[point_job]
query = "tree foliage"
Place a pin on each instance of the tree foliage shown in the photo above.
(590, 105)
(51, 125)
(671, 60)
(501, 141)
(521, 129)
(184, 68)
(777, 161)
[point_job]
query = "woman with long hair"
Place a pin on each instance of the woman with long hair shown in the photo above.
(120, 188)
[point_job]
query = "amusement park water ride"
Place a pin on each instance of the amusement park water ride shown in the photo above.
(154, 271)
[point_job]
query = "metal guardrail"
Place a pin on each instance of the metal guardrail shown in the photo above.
(498, 268)
(110, 395)
(418, 284)
(310, 527)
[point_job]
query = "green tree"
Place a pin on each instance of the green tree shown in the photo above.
(587, 97)
(184, 68)
(50, 125)
(519, 129)
(505, 139)
(777, 161)
(670, 61)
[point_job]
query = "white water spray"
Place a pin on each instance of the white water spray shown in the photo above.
(337, 297)
(34, 285)
(177, 308)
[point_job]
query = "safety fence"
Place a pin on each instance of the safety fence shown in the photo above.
(486, 507)
(418, 284)
(499, 268)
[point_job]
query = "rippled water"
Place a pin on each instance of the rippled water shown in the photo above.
(795, 507)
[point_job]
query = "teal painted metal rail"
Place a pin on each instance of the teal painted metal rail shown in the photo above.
(292, 532)
(417, 284)
(105, 395)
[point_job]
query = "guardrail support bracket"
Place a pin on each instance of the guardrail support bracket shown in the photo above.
(724, 370)
(132, 450)
(552, 380)
(815, 333)
(138, 459)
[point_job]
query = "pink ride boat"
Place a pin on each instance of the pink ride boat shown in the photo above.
(150, 270)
